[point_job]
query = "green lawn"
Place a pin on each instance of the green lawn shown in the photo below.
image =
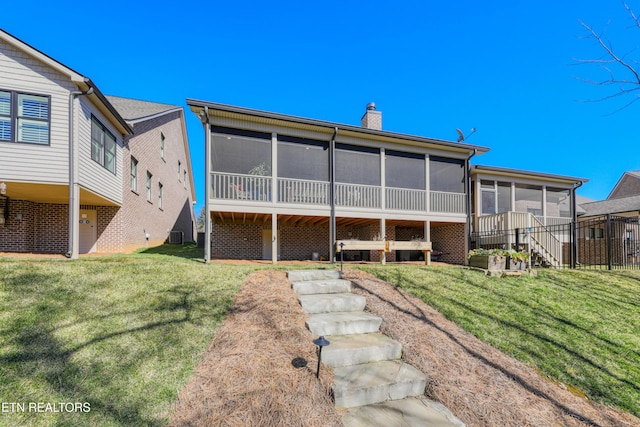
(578, 327)
(121, 333)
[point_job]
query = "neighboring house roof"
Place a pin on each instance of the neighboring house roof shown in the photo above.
(528, 174)
(612, 206)
(269, 118)
(628, 185)
(134, 110)
(580, 200)
(83, 83)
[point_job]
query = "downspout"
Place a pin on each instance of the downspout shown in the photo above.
(468, 183)
(574, 225)
(207, 184)
(74, 185)
(332, 197)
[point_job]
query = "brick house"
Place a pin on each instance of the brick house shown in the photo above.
(271, 180)
(609, 230)
(66, 150)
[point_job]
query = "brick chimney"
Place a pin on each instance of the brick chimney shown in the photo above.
(372, 119)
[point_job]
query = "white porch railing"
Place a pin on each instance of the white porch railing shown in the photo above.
(448, 202)
(403, 199)
(231, 186)
(498, 229)
(358, 196)
(303, 191)
(241, 187)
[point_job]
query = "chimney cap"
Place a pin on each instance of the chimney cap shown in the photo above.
(371, 106)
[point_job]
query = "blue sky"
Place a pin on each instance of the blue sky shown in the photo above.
(506, 68)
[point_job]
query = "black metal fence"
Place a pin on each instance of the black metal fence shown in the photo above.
(611, 242)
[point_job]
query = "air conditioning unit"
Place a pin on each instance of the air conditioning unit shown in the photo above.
(176, 237)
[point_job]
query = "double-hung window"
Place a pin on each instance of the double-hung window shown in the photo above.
(24, 118)
(149, 181)
(103, 146)
(134, 174)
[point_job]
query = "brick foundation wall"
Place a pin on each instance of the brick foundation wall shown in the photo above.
(236, 241)
(299, 243)
(450, 239)
(44, 228)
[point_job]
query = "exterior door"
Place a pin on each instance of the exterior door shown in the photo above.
(88, 231)
(267, 253)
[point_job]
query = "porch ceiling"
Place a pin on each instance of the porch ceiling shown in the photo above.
(51, 193)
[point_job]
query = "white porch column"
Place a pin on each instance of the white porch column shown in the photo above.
(544, 204)
(274, 168)
(427, 184)
(274, 238)
(383, 235)
(383, 179)
(427, 238)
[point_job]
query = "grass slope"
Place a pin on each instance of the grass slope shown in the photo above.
(581, 328)
(122, 333)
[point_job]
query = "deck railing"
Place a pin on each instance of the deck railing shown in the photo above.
(358, 196)
(241, 187)
(303, 191)
(229, 186)
(448, 202)
(403, 199)
(498, 229)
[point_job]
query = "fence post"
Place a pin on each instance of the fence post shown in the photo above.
(608, 243)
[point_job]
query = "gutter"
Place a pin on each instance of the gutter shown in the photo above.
(74, 185)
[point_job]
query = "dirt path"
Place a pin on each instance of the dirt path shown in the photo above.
(247, 376)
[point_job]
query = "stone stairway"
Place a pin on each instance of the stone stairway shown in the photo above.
(370, 381)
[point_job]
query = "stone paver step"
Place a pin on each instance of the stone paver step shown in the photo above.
(329, 303)
(304, 275)
(376, 382)
(344, 323)
(346, 350)
(325, 286)
(409, 412)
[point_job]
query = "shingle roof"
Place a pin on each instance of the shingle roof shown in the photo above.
(612, 206)
(133, 109)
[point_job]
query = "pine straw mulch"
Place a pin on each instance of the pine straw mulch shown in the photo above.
(479, 384)
(247, 377)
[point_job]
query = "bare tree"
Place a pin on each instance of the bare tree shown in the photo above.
(623, 70)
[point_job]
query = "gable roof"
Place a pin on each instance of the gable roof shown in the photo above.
(612, 206)
(83, 83)
(628, 185)
(271, 119)
(134, 110)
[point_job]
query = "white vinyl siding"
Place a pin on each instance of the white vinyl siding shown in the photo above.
(93, 175)
(22, 74)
